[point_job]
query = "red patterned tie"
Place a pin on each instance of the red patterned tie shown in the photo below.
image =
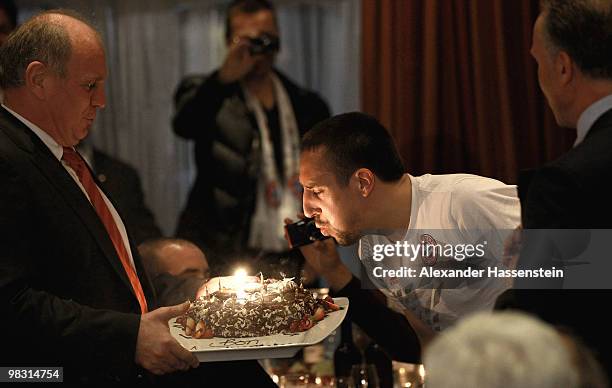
(74, 160)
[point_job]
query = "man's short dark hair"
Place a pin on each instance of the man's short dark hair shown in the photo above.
(245, 6)
(11, 11)
(583, 29)
(353, 141)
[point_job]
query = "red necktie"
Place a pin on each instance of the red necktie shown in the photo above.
(74, 160)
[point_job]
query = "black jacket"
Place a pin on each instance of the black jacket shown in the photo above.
(572, 192)
(65, 297)
(220, 205)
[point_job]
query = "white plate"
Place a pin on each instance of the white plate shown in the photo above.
(254, 348)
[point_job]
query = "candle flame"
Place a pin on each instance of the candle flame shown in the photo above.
(421, 370)
(240, 274)
(240, 277)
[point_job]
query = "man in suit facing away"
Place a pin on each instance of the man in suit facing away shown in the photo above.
(572, 45)
(72, 287)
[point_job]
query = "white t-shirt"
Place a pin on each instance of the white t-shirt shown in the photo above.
(451, 211)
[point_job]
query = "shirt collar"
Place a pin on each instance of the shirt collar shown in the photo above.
(590, 116)
(53, 146)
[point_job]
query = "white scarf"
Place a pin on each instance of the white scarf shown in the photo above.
(276, 198)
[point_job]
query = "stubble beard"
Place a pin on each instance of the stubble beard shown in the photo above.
(345, 238)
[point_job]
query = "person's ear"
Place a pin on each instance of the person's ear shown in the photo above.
(365, 181)
(564, 66)
(35, 76)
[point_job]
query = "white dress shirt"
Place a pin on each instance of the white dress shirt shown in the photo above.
(58, 152)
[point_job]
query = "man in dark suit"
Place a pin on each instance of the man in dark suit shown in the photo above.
(572, 42)
(73, 290)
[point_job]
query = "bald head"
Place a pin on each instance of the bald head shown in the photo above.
(49, 38)
(53, 72)
(174, 256)
(80, 32)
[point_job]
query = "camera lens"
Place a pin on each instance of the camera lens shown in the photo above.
(263, 44)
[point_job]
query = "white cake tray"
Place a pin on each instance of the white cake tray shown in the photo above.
(255, 348)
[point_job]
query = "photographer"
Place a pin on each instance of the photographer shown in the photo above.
(246, 120)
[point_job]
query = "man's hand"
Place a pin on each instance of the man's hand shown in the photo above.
(156, 350)
(325, 261)
(238, 61)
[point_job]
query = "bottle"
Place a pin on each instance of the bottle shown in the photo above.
(347, 354)
(313, 355)
(384, 365)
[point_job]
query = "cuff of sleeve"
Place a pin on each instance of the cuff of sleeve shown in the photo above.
(126, 327)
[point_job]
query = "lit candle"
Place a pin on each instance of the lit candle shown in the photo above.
(261, 277)
(240, 276)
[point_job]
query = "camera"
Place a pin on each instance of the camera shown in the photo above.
(263, 44)
(303, 232)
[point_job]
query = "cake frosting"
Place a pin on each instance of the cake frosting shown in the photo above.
(268, 308)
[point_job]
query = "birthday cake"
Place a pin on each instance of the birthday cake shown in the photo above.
(267, 308)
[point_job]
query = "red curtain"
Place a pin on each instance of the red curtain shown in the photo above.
(454, 82)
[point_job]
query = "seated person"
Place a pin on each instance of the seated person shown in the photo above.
(509, 349)
(176, 267)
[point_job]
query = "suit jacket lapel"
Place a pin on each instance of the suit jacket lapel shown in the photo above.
(59, 178)
(145, 282)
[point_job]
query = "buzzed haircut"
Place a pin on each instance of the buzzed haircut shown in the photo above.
(245, 6)
(38, 39)
(352, 141)
(583, 29)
